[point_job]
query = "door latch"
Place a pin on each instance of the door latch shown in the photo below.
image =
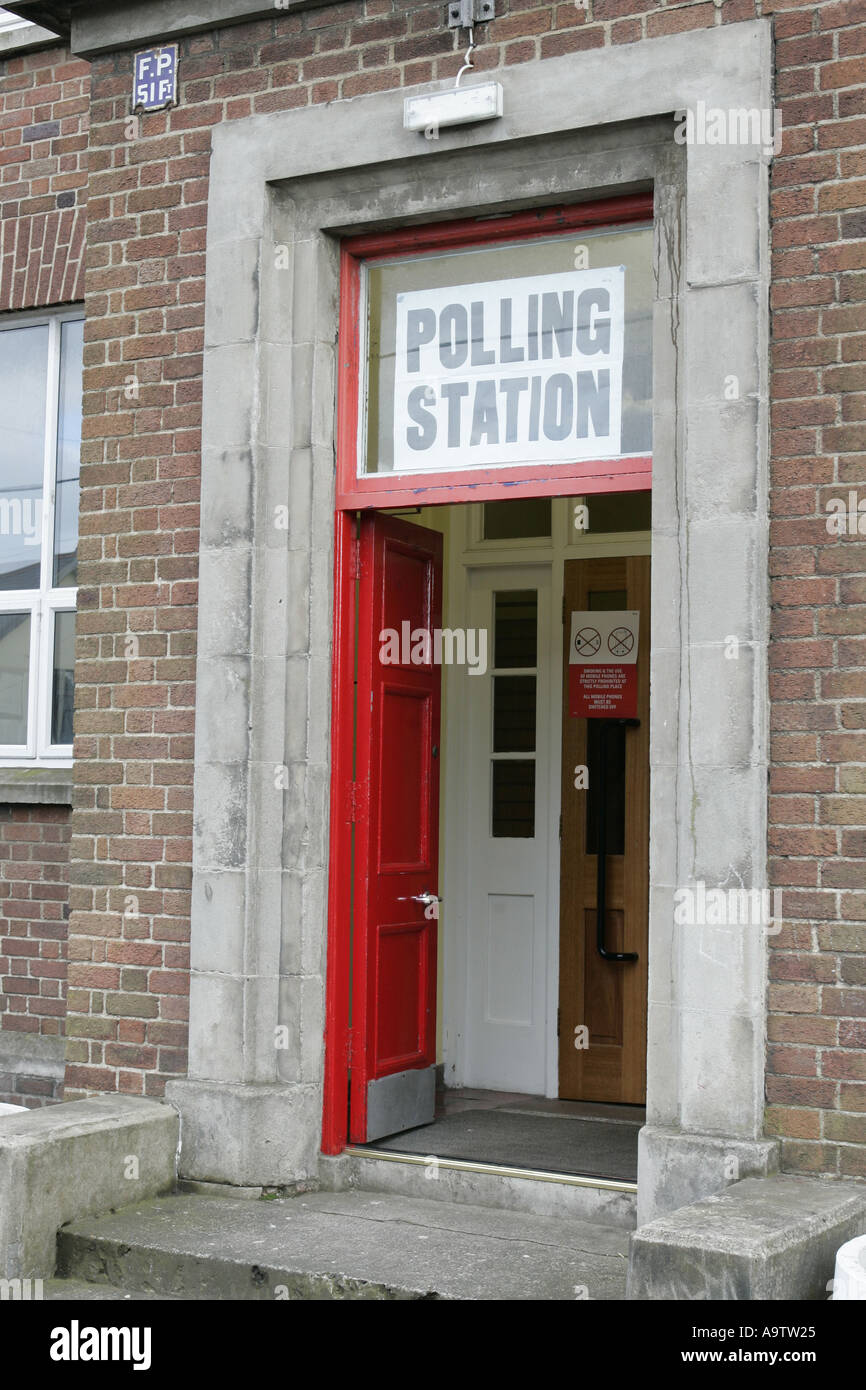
(425, 898)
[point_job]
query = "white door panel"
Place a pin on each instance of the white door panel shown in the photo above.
(506, 887)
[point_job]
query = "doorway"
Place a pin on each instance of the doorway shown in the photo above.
(488, 371)
(464, 754)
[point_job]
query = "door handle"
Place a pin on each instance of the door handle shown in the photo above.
(601, 875)
(425, 898)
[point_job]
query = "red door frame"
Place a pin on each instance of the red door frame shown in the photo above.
(609, 475)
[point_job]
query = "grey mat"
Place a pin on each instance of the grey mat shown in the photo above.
(590, 1148)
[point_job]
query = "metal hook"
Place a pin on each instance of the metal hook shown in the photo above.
(467, 61)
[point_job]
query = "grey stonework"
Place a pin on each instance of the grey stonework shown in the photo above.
(772, 1239)
(251, 1113)
(31, 1066)
(73, 1160)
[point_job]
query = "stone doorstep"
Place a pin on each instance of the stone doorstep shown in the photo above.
(335, 1246)
(81, 1157)
(482, 1185)
(763, 1238)
(80, 1291)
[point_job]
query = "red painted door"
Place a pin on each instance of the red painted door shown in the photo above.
(393, 1032)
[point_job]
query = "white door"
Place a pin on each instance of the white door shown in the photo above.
(507, 818)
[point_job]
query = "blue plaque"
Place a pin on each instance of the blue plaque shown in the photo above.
(155, 78)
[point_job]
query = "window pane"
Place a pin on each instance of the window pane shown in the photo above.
(68, 454)
(607, 600)
(508, 521)
(620, 511)
(463, 420)
(23, 384)
(513, 800)
(63, 688)
(515, 623)
(513, 714)
(614, 757)
(14, 676)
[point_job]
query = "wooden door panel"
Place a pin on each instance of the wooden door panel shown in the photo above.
(393, 1051)
(606, 998)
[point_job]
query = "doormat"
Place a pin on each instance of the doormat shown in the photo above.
(584, 1148)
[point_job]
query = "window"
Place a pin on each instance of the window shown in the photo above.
(40, 444)
(514, 678)
(482, 357)
(510, 354)
(507, 521)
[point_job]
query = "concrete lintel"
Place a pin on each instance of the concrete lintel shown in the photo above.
(763, 1239)
(42, 1054)
(99, 29)
(730, 67)
(27, 39)
(80, 1158)
(677, 1168)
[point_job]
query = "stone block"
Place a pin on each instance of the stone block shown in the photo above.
(68, 1161)
(763, 1239)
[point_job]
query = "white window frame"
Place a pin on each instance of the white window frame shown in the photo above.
(44, 603)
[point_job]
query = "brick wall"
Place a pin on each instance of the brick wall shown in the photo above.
(816, 1083)
(145, 295)
(44, 100)
(34, 870)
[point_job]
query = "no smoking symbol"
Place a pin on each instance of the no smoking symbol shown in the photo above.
(621, 641)
(587, 641)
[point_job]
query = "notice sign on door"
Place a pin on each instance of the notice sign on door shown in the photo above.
(507, 372)
(602, 665)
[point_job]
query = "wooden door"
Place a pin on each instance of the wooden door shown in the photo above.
(603, 1003)
(393, 1051)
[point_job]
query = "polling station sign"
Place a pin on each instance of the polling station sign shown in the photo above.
(602, 665)
(505, 372)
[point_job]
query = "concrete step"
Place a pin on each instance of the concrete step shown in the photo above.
(596, 1200)
(80, 1291)
(343, 1245)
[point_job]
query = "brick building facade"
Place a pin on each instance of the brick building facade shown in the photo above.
(70, 148)
(44, 105)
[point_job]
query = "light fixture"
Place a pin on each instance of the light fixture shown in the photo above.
(457, 105)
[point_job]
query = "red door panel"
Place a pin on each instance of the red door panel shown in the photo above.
(396, 848)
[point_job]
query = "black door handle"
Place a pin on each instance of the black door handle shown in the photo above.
(601, 876)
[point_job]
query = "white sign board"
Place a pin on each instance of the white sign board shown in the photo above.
(602, 664)
(510, 372)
